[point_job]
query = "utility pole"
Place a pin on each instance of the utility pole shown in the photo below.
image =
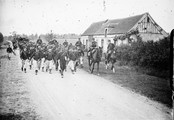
(106, 29)
(104, 5)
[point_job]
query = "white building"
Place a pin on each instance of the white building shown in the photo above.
(104, 31)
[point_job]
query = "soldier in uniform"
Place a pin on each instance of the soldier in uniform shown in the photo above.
(39, 41)
(65, 43)
(110, 49)
(49, 60)
(93, 45)
(36, 60)
(10, 49)
(78, 44)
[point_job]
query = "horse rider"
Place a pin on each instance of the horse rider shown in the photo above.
(93, 45)
(65, 43)
(110, 49)
(78, 44)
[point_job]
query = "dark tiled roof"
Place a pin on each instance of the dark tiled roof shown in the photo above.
(93, 28)
(114, 26)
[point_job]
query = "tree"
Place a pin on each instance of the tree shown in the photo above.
(1, 38)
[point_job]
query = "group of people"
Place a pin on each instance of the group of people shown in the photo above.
(44, 57)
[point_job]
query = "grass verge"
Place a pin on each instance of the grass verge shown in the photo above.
(155, 88)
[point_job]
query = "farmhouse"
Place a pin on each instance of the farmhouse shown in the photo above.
(104, 32)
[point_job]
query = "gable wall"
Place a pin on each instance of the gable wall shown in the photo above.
(147, 26)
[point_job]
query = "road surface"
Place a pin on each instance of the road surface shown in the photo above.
(83, 96)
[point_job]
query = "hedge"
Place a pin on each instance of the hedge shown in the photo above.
(146, 54)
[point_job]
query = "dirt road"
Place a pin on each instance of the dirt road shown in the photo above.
(82, 96)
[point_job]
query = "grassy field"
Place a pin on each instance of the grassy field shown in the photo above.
(155, 88)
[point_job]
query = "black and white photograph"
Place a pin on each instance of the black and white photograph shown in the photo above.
(86, 59)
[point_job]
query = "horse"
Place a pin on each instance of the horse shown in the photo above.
(94, 56)
(110, 56)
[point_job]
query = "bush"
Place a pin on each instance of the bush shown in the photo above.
(157, 54)
(148, 54)
(123, 53)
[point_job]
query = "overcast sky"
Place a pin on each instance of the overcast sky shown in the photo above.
(75, 16)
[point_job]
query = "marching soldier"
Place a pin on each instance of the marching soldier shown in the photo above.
(49, 60)
(10, 49)
(65, 43)
(39, 41)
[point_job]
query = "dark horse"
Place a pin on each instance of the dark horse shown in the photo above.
(94, 56)
(110, 56)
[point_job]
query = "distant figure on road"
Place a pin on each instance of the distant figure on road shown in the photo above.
(10, 49)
